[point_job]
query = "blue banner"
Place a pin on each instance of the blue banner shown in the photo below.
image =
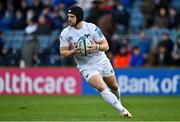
(88, 89)
(160, 81)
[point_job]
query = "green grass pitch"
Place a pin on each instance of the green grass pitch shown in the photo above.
(87, 108)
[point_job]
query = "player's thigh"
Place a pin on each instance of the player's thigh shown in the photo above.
(109, 76)
(111, 82)
(106, 69)
(97, 82)
(94, 78)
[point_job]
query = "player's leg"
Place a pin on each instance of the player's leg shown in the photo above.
(112, 84)
(109, 78)
(97, 82)
(95, 79)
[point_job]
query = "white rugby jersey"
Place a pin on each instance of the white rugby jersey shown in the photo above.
(72, 35)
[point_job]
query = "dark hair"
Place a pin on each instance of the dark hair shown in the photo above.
(78, 12)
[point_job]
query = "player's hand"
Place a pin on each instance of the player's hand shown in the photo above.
(76, 50)
(92, 48)
(71, 46)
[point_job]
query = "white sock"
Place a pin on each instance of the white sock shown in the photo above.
(110, 98)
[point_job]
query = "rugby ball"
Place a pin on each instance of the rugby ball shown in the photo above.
(83, 44)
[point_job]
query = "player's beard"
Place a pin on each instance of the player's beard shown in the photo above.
(72, 24)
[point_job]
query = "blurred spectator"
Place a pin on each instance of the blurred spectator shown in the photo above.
(2, 8)
(176, 52)
(137, 58)
(24, 7)
(144, 44)
(48, 3)
(167, 42)
(59, 16)
(162, 19)
(162, 57)
(19, 21)
(114, 44)
(121, 17)
(86, 5)
(107, 26)
(178, 20)
(117, 41)
(30, 14)
(162, 4)
(148, 10)
(43, 27)
(6, 21)
(37, 7)
(47, 13)
(173, 18)
(103, 18)
(96, 9)
(31, 46)
(122, 58)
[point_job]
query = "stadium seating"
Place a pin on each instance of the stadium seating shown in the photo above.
(13, 40)
(136, 21)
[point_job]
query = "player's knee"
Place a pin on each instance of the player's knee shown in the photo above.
(100, 88)
(114, 87)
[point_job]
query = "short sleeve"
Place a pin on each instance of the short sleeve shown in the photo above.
(63, 41)
(98, 35)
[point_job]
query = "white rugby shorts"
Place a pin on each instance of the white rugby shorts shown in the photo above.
(103, 68)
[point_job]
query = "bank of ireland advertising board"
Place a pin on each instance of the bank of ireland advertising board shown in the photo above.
(160, 81)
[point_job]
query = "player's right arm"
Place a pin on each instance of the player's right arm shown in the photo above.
(66, 47)
(67, 52)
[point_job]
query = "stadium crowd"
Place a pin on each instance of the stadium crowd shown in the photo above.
(141, 33)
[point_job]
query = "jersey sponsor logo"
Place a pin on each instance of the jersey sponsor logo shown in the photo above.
(70, 38)
(87, 35)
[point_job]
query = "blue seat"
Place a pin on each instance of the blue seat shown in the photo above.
(175, 4)
(173, 35)
(7, 37)
(152, 33)
(19, 32)
(7, 41)
(44, 41)
(163, 30)
(136, 21)
(134, 40)
(8, 32)
(17, 41)
(55, 35)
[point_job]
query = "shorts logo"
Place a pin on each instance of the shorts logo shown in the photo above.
(87, 76)
(111, 70)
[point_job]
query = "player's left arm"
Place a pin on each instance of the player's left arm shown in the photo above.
(102, 45)
(99, 42)
(98, 46)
